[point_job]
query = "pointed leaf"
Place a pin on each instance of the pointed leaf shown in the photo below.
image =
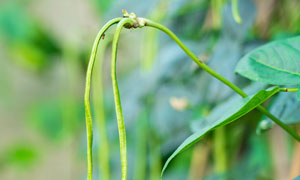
(275, 63)
(238, 108)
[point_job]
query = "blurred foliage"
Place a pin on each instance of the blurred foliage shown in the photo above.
(54, 121)
(103, 5)
(21, 156)
(27, 41)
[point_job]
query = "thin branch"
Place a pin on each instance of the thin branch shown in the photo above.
(288, 89)
(218, 76)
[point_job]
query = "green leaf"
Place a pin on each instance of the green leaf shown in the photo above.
(275, 63)
(239, 107)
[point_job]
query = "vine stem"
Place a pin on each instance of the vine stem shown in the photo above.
(88, 113)
(118, 107)
(220, 157)
(218, 76)
(288, 89)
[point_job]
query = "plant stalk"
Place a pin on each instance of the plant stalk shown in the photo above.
(140, 166)
(235, 11)
(288, 89)
(220, 157)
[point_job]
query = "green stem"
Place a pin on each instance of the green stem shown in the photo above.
(88, 114)
(235, 11)
(141, 146)
(155, 157)
(218, 76)
(194, 57)
(216, 10)
(278, 122)
(288, 89)
(220, 151)
(118, 107)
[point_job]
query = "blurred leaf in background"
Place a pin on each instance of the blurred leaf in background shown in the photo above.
(27, 42)
(19, 155)
(52, 118)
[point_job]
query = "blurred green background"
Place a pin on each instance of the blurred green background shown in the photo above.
(44, 51)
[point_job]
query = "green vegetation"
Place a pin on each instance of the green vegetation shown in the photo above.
(275, 64)
(177, 90)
